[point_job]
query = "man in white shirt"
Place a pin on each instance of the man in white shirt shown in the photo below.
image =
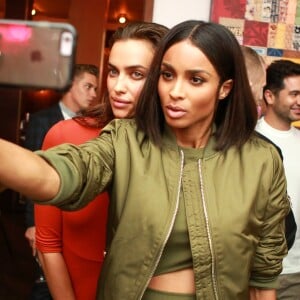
(282, 96)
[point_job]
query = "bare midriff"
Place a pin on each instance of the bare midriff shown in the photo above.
(178, 282)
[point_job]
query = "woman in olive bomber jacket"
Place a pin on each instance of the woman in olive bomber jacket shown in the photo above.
(235, 204)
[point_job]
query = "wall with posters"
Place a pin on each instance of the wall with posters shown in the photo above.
(271, 27)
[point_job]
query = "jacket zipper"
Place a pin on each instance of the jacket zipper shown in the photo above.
(171, 225)
(213, 268)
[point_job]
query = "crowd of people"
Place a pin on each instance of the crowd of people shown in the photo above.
(179, 183)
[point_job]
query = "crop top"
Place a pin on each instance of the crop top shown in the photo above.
(177, 253)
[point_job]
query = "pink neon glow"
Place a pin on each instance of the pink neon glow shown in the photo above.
(16, 33)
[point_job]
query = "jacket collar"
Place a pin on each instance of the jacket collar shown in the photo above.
(169, 141)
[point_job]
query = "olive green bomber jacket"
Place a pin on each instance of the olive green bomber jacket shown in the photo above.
(235, 206)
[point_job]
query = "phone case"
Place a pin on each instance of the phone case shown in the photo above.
(36, 54)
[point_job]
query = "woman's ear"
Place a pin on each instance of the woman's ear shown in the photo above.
(225, 89)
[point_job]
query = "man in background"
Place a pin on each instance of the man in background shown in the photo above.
(282, 96)
(81, 95)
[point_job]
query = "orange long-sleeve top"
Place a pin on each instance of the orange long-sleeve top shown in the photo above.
(80, 235)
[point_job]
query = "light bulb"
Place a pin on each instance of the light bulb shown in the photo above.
(122, 19)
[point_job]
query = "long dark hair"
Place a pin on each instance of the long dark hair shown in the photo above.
(101, 114)
(236, 115)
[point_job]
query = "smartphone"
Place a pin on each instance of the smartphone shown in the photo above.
(36, 54)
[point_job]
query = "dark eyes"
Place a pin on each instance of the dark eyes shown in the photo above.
(166, 75)
(295, 94)
(195, 80)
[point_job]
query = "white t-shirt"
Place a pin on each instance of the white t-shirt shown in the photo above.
(289, 143)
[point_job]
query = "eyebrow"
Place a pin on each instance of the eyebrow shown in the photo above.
(294, 91)
(192, 71)
(128, 67)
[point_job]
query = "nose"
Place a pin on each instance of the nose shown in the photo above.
(177, 91)
(120, 86)
(93, 93)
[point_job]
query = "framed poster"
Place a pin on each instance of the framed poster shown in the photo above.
(271, 27)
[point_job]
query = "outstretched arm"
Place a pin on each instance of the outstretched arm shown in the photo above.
(26, 173)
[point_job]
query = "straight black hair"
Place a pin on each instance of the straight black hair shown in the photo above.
(236, 115)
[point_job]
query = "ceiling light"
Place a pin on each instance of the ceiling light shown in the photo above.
(122, 19)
